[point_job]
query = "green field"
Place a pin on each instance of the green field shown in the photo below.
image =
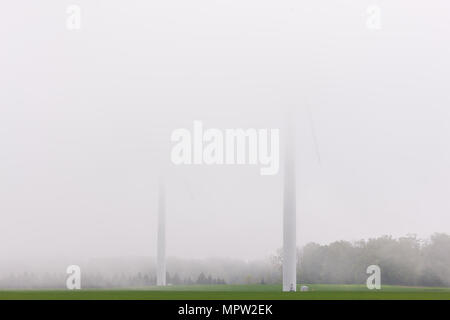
(237, 292)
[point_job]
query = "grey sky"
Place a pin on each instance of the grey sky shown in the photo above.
(86, 117)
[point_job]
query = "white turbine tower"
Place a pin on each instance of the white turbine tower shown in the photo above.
(289, 212)
(161, 241)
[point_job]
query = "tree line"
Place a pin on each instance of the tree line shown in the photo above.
(404, 261)
(408, 261)
(29, 280)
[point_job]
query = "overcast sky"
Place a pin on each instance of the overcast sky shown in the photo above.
(86, 118)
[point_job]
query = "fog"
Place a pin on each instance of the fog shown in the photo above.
(406, 260)
(86, 118)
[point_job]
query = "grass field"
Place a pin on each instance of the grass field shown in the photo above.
(237, 292)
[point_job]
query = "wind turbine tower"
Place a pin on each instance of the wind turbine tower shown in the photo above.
(289, 212)
(161, 241)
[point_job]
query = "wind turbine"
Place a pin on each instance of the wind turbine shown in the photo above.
(161, 241)
(289, 212)
(289, 202)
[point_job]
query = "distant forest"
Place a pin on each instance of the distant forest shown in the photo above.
(404, 261)
(408, 261)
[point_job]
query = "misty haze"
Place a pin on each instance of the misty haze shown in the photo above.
(86, 118)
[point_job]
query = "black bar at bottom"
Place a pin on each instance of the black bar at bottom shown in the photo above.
(226, 309)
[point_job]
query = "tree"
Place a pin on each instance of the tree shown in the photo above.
(201, 278)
